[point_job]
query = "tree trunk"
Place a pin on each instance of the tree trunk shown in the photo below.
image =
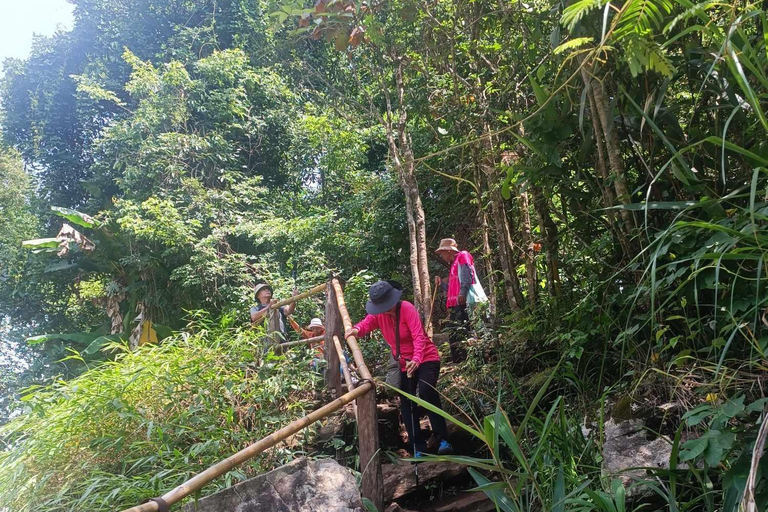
(419, 221)
(530, 254)
(611, 136)
(487, 257)
(609, 197)
(401, 151)
(551, 240)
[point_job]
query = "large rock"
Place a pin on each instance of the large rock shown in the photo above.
(300, 486)
(628, 445)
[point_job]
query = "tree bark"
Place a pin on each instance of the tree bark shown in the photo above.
(401, 152)
(487, 256)
(530, 254)
(334, 326)
(551, 240)
(609, 197)
(602, 109)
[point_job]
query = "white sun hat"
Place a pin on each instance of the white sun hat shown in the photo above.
(315, 322)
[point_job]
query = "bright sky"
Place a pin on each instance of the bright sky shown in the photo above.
(21, 19)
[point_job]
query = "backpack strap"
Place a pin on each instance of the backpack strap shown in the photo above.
(397, 330)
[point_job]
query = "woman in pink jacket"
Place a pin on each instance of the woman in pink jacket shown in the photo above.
(418, 357)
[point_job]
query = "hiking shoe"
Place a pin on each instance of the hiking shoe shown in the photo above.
(445, 448)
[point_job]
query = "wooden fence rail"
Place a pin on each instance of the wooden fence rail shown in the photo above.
(337, 320)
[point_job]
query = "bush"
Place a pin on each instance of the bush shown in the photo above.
(138, 426)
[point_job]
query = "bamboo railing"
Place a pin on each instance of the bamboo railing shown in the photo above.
(305, 341)
(368, 436)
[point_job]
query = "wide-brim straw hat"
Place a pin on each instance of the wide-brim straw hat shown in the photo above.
(315, 322)
(448, 244)
(260, 287)
(383, 297)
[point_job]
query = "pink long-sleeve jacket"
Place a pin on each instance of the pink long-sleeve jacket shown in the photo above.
(414, 342)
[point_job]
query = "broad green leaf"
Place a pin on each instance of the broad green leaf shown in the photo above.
(733, 407)
(99, 342)
(81, 219)
(697, 414)
(80, 337)
(40, 243)
(757, 405)
(693, 448)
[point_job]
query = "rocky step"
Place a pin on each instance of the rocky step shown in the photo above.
(462, 502)
(400, 478)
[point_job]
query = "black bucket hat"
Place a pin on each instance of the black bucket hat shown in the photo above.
(383, 297)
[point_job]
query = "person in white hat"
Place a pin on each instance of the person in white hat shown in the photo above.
(314, 329)
(459, 281)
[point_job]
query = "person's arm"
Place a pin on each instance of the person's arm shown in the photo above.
(296, 327)
(366, 325)
(411, 318)
(258, 316)
(465, 281)
(290, 308)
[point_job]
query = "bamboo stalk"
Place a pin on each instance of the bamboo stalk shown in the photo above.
(344, 365)
(351, 341)
(303, 342)
(428, 323)
(200, 480)
(303, 295)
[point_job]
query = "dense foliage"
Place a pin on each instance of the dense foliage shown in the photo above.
(604, 162)
(150, 419)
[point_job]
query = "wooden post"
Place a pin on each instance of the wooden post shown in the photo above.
(367, 416)
(333, 327)
(274, 334)
(370, 459)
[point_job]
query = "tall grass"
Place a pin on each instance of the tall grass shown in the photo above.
(143, 423)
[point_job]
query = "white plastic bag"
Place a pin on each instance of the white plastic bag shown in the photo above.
(476, 294)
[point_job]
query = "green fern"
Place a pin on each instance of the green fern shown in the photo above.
(642, 53)
(644, 15)
(694, 10)
(572, 43)
(575, 12)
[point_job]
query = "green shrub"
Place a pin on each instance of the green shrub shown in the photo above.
(138, 426)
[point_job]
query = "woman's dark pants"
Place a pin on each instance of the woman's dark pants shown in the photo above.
(459, 331)
(425, 379)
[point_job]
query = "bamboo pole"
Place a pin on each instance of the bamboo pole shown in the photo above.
(200, 480)
(295, 298)
(303, 342)
(367, 416)
(351, 341)
(344, 365)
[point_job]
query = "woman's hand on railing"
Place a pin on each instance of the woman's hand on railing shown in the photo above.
(351, 332)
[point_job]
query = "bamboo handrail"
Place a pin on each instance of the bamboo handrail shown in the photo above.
(302, 342)
(344, 365)
(303, 295)
(357, 354)
(198, 481)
